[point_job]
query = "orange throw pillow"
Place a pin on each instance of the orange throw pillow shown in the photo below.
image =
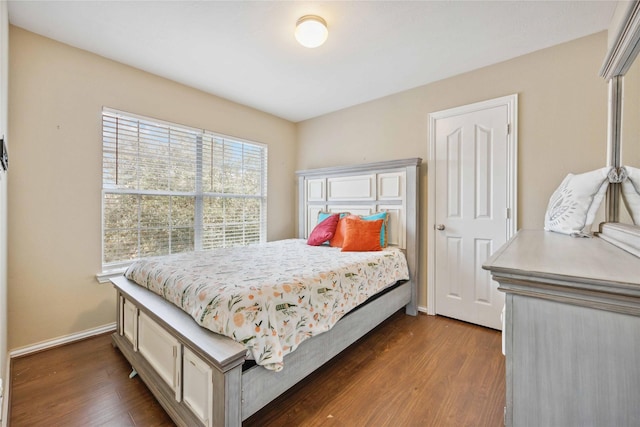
(338, 237)
(361, 235)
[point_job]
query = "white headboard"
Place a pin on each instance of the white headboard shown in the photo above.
(364, 189)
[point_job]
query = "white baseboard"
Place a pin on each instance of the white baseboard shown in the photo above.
(423, 309)
(44, 345)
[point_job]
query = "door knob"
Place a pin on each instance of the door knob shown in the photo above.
(440, 227)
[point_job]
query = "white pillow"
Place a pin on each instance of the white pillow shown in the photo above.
(573, 206)
(631, 193)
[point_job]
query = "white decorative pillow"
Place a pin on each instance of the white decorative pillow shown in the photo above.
(573, 206)
(631, 193)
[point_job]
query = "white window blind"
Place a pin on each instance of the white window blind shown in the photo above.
(168, 188)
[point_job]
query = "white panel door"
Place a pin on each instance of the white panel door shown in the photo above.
(471, 212)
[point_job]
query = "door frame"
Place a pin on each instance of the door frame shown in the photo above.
(511, 101)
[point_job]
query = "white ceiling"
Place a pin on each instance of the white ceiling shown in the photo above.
(245, 50)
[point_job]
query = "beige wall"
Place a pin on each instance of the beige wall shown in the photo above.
(562, 124)
(55, 99)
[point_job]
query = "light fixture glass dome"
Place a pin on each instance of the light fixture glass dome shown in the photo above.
(311, 31)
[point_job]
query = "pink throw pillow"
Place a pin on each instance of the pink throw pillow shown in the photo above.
(324, 230)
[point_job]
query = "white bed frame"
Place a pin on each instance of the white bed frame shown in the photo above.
(197, 375)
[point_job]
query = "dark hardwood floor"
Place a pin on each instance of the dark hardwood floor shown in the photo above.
(410, 371)
(81, 384)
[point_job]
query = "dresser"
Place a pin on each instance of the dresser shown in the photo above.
(572, 330)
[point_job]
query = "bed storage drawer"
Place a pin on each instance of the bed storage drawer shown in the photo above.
(197, 386)
(129, 321)
(162, 351)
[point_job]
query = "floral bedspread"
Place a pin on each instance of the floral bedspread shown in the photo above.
(270, 297)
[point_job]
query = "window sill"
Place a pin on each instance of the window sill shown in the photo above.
(103, 277)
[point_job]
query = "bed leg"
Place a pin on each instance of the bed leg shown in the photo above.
(133, 373)
(412, 308)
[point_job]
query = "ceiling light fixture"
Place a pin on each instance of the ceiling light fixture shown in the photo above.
(311, 31)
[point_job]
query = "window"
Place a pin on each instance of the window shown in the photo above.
(168, 188)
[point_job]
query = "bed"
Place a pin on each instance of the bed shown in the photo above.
(202, 377)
